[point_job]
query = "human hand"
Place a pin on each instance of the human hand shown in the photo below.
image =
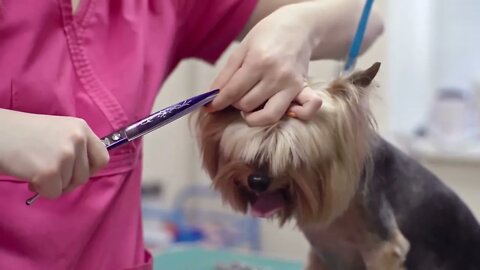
(269, 68)
(54, 154)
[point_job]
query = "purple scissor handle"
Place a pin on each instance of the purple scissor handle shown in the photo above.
(151, 123)
(157, 120)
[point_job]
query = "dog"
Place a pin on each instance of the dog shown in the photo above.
(360, 202)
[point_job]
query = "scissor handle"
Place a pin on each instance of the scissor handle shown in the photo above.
(111, 141)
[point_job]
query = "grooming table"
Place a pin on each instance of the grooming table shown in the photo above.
(196, 258)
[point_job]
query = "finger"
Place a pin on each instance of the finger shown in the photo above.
(81, 169)
(66, 167)
(273, 111)
(256, 97)
(306, 105)
(242, 81)
(233, 64)
(48, 185)
(32, 187)
(97, 153)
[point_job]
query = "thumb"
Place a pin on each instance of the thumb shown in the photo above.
(98, 155)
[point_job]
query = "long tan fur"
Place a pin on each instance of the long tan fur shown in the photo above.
(319, 161)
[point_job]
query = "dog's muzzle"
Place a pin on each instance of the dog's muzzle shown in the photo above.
(258, 182)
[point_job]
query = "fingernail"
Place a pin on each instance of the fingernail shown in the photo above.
(292, 114)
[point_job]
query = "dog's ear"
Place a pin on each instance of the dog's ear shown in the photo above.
(365, 77)
(209, 128)
(208, 140)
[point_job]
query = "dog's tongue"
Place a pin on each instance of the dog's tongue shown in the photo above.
(267, 204)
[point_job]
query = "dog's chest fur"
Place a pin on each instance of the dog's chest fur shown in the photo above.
(346, 232)
(337, 245)
(352, 242)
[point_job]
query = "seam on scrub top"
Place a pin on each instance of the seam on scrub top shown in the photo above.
(93, 86)
(83, 11)
(103, 99)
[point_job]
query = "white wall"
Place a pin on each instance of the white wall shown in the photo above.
(168, 151)
(432, 44)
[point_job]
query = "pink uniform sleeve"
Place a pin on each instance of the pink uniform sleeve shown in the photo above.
(208, 27)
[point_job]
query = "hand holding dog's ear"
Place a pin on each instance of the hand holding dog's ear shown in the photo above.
(269, 69)
(305, 105)
(364, 78)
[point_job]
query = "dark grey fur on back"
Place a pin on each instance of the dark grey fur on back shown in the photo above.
(442, 231)
(402, 217)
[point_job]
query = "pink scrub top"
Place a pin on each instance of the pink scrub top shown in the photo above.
(104, 64)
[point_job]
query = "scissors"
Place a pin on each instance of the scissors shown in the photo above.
(151, 123)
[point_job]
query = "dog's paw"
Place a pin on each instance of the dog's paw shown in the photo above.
(388, 255)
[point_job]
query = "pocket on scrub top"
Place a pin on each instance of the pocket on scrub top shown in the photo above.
(146, 265)
(41, 96)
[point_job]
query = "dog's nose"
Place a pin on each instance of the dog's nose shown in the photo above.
(258, 182)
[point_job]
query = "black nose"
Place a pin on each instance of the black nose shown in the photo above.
(258, 182)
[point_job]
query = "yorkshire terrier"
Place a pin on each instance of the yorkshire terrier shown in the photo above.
(360, 202)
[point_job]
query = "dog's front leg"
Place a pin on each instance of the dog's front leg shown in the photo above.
(337, 259)
(388, 255)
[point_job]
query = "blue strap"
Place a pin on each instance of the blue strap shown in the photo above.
(357, 40)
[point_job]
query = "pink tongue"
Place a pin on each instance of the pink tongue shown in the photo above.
(267, 204)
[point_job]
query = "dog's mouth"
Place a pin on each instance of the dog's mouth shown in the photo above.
(267, 204)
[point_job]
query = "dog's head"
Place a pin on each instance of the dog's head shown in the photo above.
(305, 170)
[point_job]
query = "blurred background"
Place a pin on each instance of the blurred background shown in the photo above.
(428, 104)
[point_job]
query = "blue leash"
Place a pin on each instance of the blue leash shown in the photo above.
(358, 38)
